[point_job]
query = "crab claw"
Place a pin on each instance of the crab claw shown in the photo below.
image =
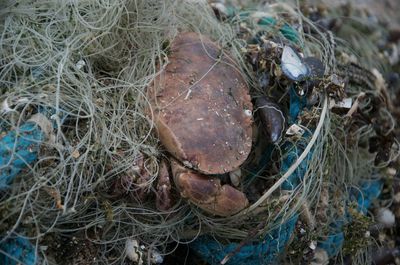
(207, 192)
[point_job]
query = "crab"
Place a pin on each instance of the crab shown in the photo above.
(202, 113)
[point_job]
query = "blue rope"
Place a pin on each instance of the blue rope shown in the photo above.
(286, 30)
(293, 150)
(297, 104)
(263, 251)
(292, 153)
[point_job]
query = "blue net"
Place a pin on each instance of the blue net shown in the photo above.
(18, 250)
(18, 149)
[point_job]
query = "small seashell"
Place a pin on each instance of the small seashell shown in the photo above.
(220, 7)
(133, 251)
(75, 154)
(272, 118)
(156, 257)
(313, 245)
(320, 257)
(235, 177)
(5, 107)
(396, 197)
(295, 129)
(386, 217)
(390, 171)
(292, 65)
(80, 64)
(248, 113)
(343, 104)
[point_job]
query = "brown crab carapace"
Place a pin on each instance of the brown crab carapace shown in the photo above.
(203, 115)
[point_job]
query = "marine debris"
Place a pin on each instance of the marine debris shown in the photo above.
(248, 133)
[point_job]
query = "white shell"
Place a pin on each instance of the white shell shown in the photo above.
(80, 64)
(344, 104)
(292, 65)
(220, 7)
(248, 113)
(295, 129)
(391, 171)
(235, 177)
(320, 257)
(156, 258)
(313, 245)
(5, 107)
(133, 252)
(386, 217)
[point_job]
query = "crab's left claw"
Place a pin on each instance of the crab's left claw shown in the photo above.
(207, 193)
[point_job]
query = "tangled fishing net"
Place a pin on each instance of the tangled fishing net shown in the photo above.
(80, 156)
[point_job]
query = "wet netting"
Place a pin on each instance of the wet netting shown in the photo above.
(80, 156)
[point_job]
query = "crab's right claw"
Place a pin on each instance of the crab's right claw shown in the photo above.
(207, 193)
